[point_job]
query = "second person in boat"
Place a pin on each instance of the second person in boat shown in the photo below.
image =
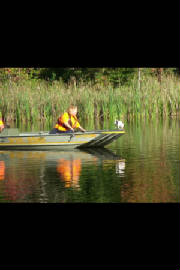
(67, 122)
(1, 123)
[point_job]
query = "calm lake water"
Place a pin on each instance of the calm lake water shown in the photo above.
(141, 166)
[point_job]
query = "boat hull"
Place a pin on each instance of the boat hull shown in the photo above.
(44, 140)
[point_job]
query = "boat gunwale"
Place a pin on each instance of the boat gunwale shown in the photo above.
(44, 134)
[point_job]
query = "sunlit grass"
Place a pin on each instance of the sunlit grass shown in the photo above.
(31, 101)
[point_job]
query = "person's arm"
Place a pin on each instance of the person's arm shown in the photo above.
(68, 126)
(78, 126)
(65, 119)
(82, 129)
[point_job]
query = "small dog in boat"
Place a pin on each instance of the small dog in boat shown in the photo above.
(119, 124)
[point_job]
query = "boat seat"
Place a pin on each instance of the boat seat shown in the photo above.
(10, 132)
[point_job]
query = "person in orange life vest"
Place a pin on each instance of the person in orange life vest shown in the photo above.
(67, 122)
(1, 123)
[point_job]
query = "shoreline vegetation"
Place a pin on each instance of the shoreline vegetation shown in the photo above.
(32, 100)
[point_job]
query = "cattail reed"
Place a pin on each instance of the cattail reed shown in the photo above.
(32, 101)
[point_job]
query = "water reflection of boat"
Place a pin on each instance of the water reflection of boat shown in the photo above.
(83, 154)
(12, 139)
(102, 153)
(50, 157)
(25, 170)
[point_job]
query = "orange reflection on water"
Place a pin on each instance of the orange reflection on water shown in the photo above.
(2, 170)
(69, 171)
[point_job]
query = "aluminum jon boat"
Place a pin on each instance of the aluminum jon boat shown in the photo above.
(11, 138)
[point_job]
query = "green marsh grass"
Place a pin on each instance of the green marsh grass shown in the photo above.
(32, 101)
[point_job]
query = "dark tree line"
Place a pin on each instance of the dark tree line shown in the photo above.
(104, 75)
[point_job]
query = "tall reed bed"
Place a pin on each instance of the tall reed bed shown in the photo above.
(31, 101)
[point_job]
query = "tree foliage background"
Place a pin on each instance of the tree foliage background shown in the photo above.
(116, 76)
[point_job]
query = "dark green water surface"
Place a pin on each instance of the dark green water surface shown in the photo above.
(141, 166)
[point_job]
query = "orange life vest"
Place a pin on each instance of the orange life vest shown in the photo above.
(1, 123)
(64, 118)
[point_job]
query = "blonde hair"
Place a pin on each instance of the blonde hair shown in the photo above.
(72, 107)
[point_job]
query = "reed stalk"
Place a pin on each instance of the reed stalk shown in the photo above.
(32, 101)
